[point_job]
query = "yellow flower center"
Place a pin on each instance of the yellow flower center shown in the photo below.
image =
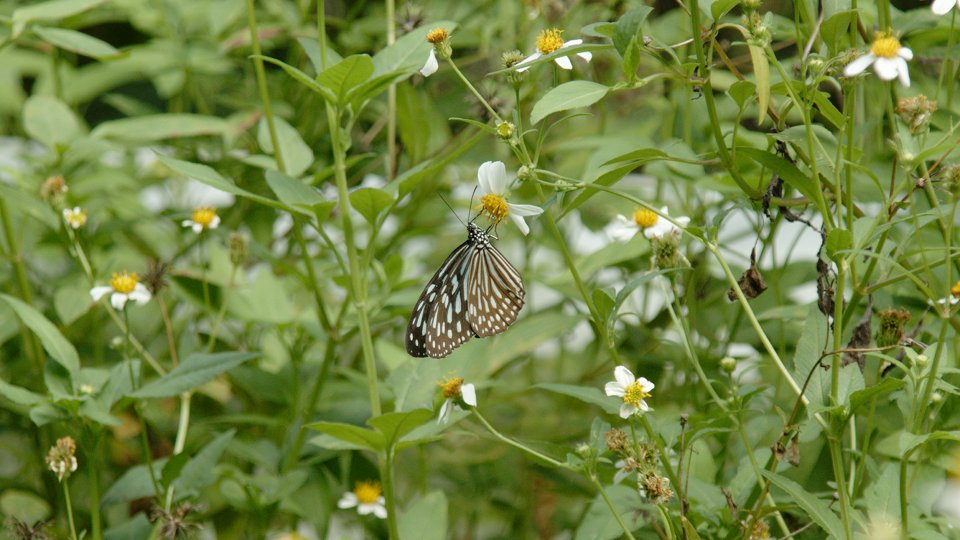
(645, 218)
(634, 394)
(367, 492)
(955, 290)
(204, 215)
(437, 35)
(451, 387)
(494, 206)
(549, 40)
(885, 46)
(124, 282)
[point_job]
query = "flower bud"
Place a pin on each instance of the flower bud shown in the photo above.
(892, 322)
(441, 42)
(728, 364)
(916, 111)
(510, 59)
(921, 360)
(505, 130)
(237, 244)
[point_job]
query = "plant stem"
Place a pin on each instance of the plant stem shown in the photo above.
(610, 505)
(386, 477)
(31, 343)
(181, 439)
(262, 85)
(66, 495)
(391, 99)
(518, 445)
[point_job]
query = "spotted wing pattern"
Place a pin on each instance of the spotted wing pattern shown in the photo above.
(475, 292)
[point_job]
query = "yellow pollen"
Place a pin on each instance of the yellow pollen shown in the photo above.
(549, 40)
(367, 492)
(437, 35)
(494, 206)
(645, 218)
(634, 394)
(451, 387)
(955, 290)
(885, 46)
(204, 215)
(76, 217)
(124, 282)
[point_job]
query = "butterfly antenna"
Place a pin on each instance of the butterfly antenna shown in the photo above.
(471, 205)
(451, 209)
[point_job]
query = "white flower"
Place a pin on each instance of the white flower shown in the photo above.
(431, 66)
(888, 57)
(203, 218)
(492, 178)
(367, 499)
(632, 390)
(653, 226)
(941, 7)
(455, 391)
(75, 217)
(124, 286)
(550, 41)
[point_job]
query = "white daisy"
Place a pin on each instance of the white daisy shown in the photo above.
(439, 38)
(75, 217)
(124, 286)
(652, 225)
(492, 178)
(550, 41)
(953, 297)
(632, 390)
(203, 218)
(941, 7)
(367, 498)
(888, 58)
(456, 393)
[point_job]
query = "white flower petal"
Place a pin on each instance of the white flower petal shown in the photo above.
(497, 177)
(623, 376)
(214, 223)
(197, 228)
(622, 229)
(857, 66)
(118, 300)
(587, 56)
(140, 294)
(99, 292)
(445, 411)
(646, 385)
(564, 62)
(380, 511)
(431, 66)
(366, 508)
(683, 221)
(886, 68)
(905, 53)
(525, 209)
(469, 393)
(571, 43)
(349, 500)
(903, 71)
(527, 60)
(941, 7)
(643, 406)
(627, 409)
(614, 388)
(187, 223)
(520, 223)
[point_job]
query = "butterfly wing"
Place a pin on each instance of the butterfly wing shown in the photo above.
(417, 336)
(448, 327)
(495, 294)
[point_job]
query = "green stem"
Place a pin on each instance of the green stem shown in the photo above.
(520, 446)
(31, 343)
(715, 125)
(262, 85)
(493, 113)
(931, 380)
(145, 441)
(181, 439)
(386, 476)
(391, 99)
(661, 450)
(93, 456)
(610, 505)
(66, 495)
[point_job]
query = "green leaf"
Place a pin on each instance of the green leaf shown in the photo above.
(741, 91)
(54, 10)
(344, 76)
(761, 72)
(628, 28)
(23, 505)
(50, 121)
(839, 240)
(56, 345)
(721, 7)
(198, 473)
(135, 483)
(364, 438)
(814, 507)
(784, 169)
(77, 42)
(807, 357)
(395, 425)
(862, 397)
(312, 47)
(212, 178)
(302, 78)
(192, 372)
(18, 395)
(370, 202)
(158, 127)
(430, 508)
(639, 156)
(296, 155)
(587, 394)
(294, 193)
(598, 524)
(568, 96)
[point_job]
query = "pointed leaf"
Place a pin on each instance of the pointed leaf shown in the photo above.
(395, 425)
(814, 507)
(192, 372)
(568, 96)
(365, 438)
(53, 342)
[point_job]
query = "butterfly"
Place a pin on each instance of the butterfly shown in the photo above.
(475, 292)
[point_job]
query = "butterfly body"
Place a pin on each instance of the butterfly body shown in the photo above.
(475, 292)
